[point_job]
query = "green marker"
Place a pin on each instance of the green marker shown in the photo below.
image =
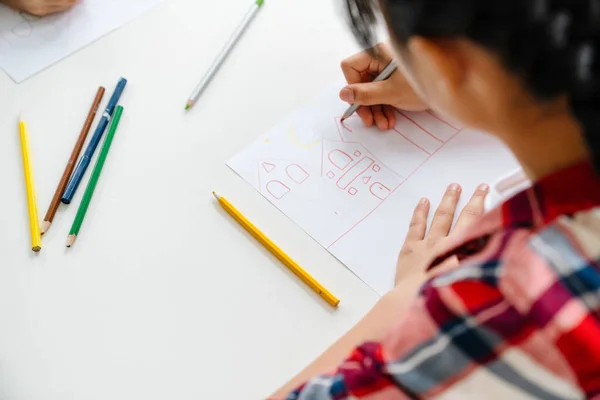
(224, 53)
(89, 191)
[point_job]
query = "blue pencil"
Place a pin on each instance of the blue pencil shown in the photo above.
(86, 159)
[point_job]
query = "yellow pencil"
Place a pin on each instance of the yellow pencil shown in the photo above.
(34, 223)
(277, 252)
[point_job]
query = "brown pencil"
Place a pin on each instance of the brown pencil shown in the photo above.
(71, 163)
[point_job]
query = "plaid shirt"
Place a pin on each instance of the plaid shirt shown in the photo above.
(519, 319)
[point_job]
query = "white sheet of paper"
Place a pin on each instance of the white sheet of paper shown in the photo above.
(354, 189)
(30, 44)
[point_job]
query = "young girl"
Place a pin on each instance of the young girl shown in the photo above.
(40, 7)
(519, 317)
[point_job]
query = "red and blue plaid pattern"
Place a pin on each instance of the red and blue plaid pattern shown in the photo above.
(518, 319)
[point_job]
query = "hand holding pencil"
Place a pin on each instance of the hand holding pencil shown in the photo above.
(376, 88)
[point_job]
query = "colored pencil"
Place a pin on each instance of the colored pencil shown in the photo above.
(89, 191)
(214, 68)
(86, 159)
(383, 75)
(62, 185)
(34, 223)
(277, 252)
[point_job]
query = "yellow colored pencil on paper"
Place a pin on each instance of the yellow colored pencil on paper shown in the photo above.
(34, 223)
(277, 252)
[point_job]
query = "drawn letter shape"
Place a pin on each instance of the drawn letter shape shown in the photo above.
(268, 167)
(297, 173)
(353, 173)
(277, 189)
(339, 159)
(380, 191)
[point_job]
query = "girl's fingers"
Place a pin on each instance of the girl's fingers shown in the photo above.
(355, 66)
(444, 215)
(44, 7)
(474, 208)
(380, 119)
(418, 224)
(390, 114)
(366, 115)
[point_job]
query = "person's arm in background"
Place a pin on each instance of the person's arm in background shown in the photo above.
(40, 7)
(419, 249)
(378, 101)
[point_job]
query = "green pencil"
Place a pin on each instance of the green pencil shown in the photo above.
(89, 191)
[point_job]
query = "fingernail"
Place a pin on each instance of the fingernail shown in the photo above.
(484, 188)
(455, 187)
(347, 95)
(424, 201)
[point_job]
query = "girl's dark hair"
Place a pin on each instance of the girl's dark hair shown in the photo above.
(551, 45)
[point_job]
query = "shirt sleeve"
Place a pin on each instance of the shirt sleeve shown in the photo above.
(460, 321)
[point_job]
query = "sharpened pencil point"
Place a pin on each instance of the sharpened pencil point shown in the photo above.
(187, 107)
(45, 226)
(216, 196)
(71, 240)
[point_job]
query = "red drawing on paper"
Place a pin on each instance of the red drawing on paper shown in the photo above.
(442, 120)
(268, 166)
(413, 142)
(354, 179)
(297, 173)
(277, 178)
(354, 172)
(277, 189)
(380, 180)
(363, 168)
(379, 190)
(339, 159)
(421, 127)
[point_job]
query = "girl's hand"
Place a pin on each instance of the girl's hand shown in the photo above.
(41, 7)
(377, 98)
(421, 247)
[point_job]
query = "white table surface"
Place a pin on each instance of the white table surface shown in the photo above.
(164, 296)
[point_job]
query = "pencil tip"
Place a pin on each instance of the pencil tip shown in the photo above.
(37, 249)
(216, 196)
(45, 226)
(187, 107)
(71, 240)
